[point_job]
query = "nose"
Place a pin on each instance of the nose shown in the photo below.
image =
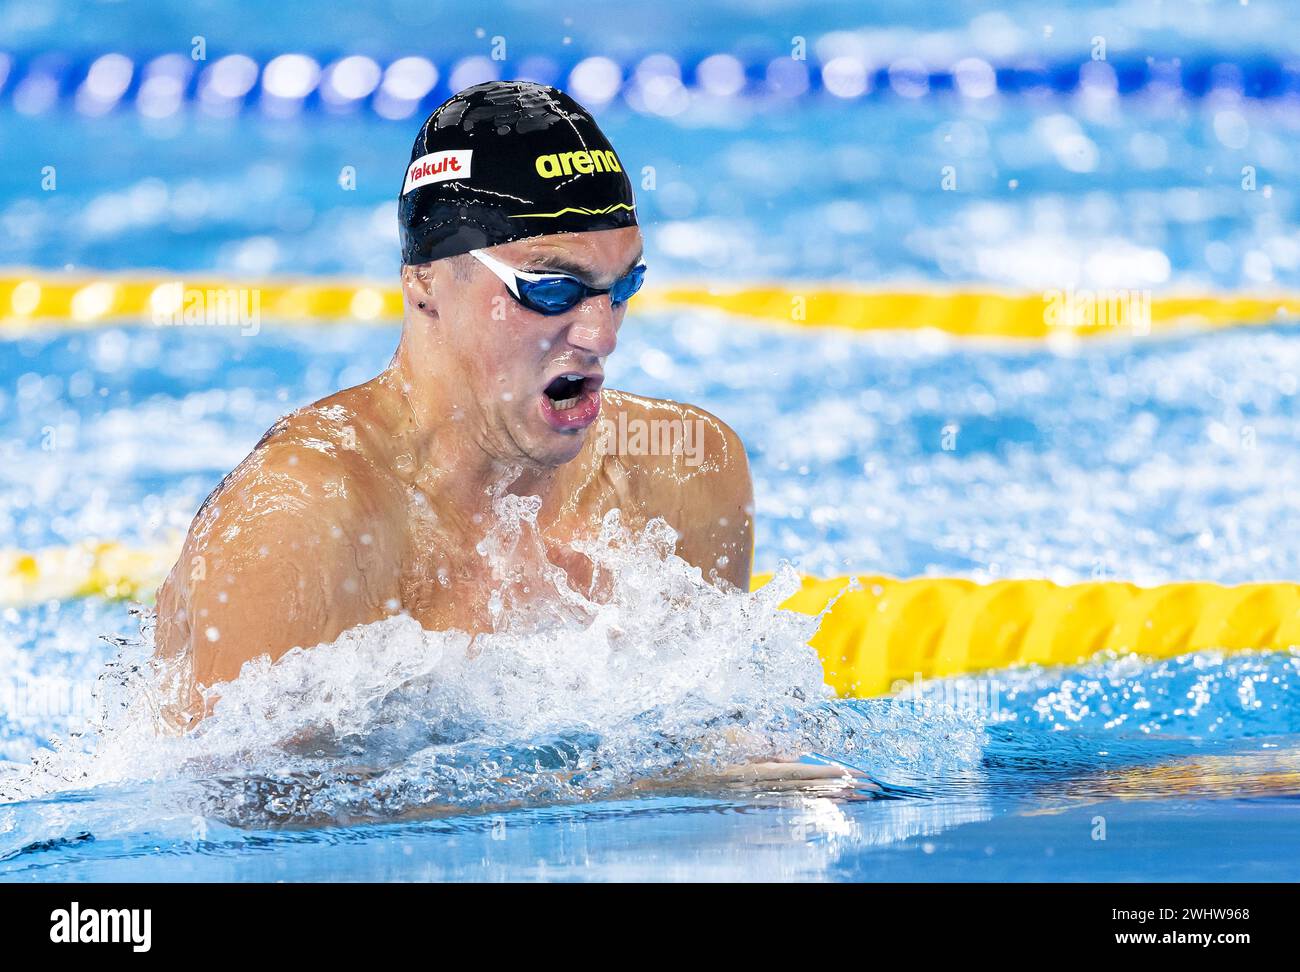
(595, 327)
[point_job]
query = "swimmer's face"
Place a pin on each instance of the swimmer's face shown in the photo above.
(534, 379)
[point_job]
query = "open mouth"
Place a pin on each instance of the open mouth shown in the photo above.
(571, 401)
(565, 392)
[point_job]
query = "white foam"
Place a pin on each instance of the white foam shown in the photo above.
(658, 677)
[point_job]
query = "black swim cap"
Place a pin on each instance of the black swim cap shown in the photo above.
(504, 161)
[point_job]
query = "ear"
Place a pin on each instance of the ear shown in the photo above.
(418, 290)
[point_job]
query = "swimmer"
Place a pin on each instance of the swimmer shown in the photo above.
(520, 253)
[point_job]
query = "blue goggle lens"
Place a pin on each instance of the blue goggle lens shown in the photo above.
(625, 288)
(555, 295)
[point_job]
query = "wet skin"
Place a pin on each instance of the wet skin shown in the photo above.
(372, 501)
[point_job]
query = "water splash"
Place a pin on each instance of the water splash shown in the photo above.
(657, 678)
(1204, 694)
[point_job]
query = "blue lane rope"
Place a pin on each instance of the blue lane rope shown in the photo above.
(402, 87)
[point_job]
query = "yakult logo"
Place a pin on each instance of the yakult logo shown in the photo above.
(437, 167)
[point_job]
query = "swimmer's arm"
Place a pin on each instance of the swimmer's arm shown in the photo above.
(767, 775)
(717, 514)
(279, 558)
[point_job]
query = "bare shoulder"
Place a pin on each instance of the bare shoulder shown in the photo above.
(677, 439)
(312, 462)
(691, 469)
(298, 538)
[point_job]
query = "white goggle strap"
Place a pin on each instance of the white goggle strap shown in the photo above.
(504, 273)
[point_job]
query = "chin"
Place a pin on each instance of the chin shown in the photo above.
(557, 448)
(562, 420)
(537, 443)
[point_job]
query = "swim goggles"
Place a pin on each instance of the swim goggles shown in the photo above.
(555, 293)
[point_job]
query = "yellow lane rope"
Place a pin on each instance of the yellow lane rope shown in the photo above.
(100, 568)
(891, 631)
(988, 313)
(36, 299)
(883, 632)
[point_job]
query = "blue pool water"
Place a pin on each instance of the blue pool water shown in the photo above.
(1191, 764)
(1149, 461)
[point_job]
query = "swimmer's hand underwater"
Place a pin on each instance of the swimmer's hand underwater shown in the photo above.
(521, 250)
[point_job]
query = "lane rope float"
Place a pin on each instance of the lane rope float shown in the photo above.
(837, 67)
(890, 631)
(89, 569)
(883, 632)
(35, 299)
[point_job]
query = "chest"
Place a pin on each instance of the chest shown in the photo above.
(453, 567)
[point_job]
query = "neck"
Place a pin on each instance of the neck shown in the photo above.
(455, 458)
